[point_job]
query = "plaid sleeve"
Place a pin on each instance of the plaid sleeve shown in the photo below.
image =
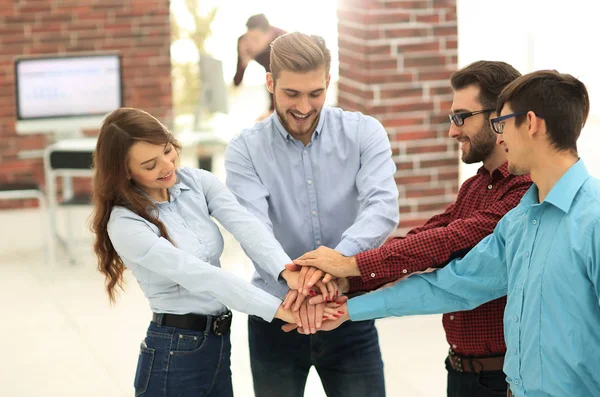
(433, 246)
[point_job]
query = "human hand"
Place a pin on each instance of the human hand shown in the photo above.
(309, 318)
(330, 261)
(342, 288)
(294, 297)
(337, 314)
(308, 277)
(284, 314)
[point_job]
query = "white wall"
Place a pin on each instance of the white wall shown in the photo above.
(537, 34)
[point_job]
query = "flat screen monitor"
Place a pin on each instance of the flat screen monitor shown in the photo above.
(67, 86)
(66, 92)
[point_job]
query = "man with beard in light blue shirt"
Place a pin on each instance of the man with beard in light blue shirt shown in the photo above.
(544, 254)
(315, 176)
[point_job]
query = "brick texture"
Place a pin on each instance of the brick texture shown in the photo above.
(138, 30)
(396, 58)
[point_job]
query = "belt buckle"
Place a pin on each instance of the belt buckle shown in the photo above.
(222, 324)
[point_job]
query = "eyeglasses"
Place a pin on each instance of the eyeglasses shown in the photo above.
(498, 125)
(459, 118)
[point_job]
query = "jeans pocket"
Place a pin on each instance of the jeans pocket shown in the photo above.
(144, 368)
(189, 343)
(492, 384)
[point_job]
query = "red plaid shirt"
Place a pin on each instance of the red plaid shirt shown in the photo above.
(482, 200)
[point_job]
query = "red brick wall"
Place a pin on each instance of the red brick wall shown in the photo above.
(138, 29)
(396, 58)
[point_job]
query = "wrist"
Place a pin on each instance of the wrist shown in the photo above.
(352, 267)
(285, 274)
(283, 314)
(343, 285)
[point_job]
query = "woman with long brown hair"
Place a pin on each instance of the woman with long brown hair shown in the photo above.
(154, 218)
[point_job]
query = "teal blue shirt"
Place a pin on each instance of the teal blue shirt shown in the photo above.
(546, 258)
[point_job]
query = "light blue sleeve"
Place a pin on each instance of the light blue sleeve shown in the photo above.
(464, 284)
(244, 183)
(135, 241)
(246, 186)
(258, 242)
(593, 260)
(378, 193)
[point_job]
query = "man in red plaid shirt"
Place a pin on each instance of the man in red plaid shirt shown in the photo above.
(476, 337)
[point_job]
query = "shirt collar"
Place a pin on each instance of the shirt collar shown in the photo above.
(563, 192)
(499, 173)
(174, 191)
(286, 135)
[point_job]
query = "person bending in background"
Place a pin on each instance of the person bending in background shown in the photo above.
(255, 44)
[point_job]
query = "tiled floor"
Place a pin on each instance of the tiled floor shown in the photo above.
(60, 337)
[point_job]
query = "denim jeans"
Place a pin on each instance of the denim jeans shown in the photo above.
(347, 359)
(469, 384)
(176, 362)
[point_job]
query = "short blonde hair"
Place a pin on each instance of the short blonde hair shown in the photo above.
(299, 52)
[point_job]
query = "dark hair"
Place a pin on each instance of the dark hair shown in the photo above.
(490, 76)
(112, 187)
(560, 99)
(258, 21)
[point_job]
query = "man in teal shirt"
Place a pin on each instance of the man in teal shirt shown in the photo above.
(544, 254)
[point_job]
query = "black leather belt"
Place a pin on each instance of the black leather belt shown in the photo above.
(219, 325)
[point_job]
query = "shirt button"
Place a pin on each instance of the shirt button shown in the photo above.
(373, 275)
(516, 319)
(451, 317)
(515, 351)
(490, 187)
(404, 271)
(314, 212)
(516, 381)
(521, 287)
(454, 346)
(309, 181)
(534, 222)
(527, 255)
(318, 241)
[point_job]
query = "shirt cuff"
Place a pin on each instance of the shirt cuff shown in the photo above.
(356, 284)
(367, 307)
(277, 265)
(263, 305)
(370, 264)
(347, 248)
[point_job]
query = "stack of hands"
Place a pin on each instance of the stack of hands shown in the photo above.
(315, 301)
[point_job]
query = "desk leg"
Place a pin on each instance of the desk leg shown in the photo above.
(68, 195)
(51, 193)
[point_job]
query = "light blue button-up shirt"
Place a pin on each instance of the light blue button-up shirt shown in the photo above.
(546, 258)
(187, 278)
(338, 191)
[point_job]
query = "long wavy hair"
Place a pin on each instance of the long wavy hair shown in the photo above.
(112, 185)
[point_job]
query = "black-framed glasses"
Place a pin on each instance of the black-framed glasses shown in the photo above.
(497, 122)
(459, 118)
